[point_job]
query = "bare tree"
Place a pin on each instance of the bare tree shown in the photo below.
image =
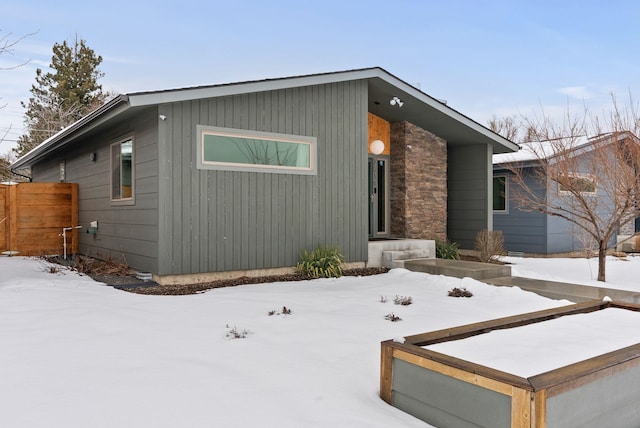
(509, 126)
(7, 46)
(584, 169)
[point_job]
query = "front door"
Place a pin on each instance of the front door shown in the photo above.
(378, 196)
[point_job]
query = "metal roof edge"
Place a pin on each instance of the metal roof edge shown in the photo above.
(139, 99)
(199, 92)
(57, 139)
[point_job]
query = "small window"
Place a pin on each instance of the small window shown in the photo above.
(62, 171)
(242, 150)
(122, 170)
(577, 184)
(500, 193)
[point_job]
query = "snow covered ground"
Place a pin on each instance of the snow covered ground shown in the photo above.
(76, 353)
(621, 273)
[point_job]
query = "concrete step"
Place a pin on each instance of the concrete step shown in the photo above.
(426, 248)
(396, 258)
(459, 268)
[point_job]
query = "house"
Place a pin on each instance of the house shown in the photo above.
(532, 231)
(239, 177)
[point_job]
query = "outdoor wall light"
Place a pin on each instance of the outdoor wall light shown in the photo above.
(376, 147)
(396, 101)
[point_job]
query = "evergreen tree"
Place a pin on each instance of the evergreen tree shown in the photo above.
(5, 173)
(62, 96)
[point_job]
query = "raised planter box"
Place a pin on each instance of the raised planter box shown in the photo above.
(447, 391)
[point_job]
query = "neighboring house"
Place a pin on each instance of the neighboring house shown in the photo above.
(243, 176)
(534, 232)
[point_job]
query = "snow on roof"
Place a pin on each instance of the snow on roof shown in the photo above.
(535, 150)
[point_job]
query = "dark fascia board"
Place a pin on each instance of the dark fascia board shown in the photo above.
(201, 92)
(103, 113)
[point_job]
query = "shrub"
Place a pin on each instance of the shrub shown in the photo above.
(322, 262)
(285, 311)
(403, 300)
(234, 333)
(460, 292)
(489, 245)
(447, 250)
(392, 317)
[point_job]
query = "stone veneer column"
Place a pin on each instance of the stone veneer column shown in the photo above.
(418, 183)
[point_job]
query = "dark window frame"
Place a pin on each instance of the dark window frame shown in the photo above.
(122, 171)
(502, 194)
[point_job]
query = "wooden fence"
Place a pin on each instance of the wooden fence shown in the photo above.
(33, 215)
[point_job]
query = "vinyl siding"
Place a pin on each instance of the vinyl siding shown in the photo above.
(523, 231)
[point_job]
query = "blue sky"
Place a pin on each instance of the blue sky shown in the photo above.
(484, 57)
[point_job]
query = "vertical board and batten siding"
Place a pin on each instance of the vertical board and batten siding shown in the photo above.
(468, 205)
(212, 221)
(126, 233)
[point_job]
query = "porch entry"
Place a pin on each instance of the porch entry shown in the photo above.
(378, 171)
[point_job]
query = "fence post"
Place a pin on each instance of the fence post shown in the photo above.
(4, 217)
(12, 218)
(74, 217)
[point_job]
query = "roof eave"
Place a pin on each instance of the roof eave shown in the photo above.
(137, 99)
(509, 146)
(99, 115)
(500, 143)
(140, 99)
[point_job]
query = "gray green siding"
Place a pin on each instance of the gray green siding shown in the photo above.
(126, 233)
(610, 401)
(468, 180)
(221, 220)
(444, 401)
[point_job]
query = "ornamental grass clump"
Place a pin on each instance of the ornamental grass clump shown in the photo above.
(322, 262)
(447, 250)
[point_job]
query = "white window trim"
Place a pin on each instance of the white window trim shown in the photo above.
(203, 130)
(130, 200)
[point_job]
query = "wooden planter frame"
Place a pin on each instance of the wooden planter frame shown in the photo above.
(529, 397)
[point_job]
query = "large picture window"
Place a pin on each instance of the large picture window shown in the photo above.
(242, 150)
(578, 183)
(500, 194)
(122, 170)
